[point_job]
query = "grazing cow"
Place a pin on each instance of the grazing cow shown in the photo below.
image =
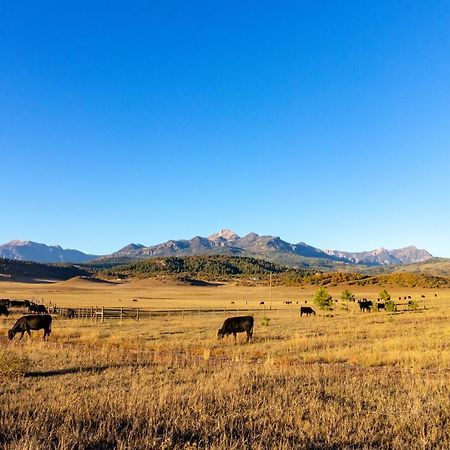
(399, 298)
(232, 303)
(261, 303)
(4, 302)
(381, 306)
(409, 297)
(134, 299)
(404, 298)
(365, 305)
(18, 303)
(435, 295)
(423, 296)
(234, 325)
(307, 310)
(32, 322)
(287, 302)
(39, 309)
(4, 311)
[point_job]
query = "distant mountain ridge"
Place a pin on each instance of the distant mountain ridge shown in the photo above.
(382, 256)
(224, 242)
(227, 242)
(42, 253)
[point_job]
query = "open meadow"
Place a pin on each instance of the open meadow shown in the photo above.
(340, 379)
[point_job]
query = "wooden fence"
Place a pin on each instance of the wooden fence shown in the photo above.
(105, 313)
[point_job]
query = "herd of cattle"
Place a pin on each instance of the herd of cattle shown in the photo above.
(38, 317)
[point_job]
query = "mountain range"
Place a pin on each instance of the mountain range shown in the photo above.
(225, 242)
(42, 253)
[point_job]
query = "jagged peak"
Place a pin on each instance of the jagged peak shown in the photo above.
(226, 234)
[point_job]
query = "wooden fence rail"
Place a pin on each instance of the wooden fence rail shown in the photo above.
(105, 313)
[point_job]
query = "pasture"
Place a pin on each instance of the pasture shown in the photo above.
(343, 379)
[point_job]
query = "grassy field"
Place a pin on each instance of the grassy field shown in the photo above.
(343, 379)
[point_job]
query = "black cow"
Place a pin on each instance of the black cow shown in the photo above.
(4, 301)
(422, 296)
(307, 310)
(4, 311)
(365, 305)
(39, 309)
(234, 325)
(18, 303)
(381, 306)
(261, 303)
(31, 322)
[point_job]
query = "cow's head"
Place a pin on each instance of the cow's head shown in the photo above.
(220, 334)
(11, 334)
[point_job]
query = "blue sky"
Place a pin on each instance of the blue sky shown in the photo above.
(319, 121)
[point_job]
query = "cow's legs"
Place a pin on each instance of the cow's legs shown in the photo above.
(21, 336)
(28, 331)
(234, 334)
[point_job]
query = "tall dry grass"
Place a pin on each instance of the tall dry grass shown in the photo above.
(349, 381)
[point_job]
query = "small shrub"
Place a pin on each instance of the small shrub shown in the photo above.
(390, 306)
(413, 305)
(385, 296)
(323, 299)
(13, 364)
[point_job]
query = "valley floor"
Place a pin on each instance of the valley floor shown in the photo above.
(339, 380)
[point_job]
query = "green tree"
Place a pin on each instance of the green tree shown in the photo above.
(384, 295)
(323, 299)
(347, 296)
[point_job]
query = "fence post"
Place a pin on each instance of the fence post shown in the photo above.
(103, 313)
(121, 314)
(182, 313)
(92, 312)
(137, 313)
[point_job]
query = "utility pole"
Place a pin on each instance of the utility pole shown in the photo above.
(270, 282)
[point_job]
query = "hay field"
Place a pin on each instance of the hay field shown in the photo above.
(339, 380)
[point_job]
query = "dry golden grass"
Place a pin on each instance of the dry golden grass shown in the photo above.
(352, 380)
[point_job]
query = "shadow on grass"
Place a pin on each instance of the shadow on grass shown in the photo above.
(75, 370)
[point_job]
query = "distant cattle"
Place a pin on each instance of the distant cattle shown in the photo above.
(435, 295)
(4, 301)
(409, 297)
(4, 311)
(365, 305)
(31, 322)
(288, 302)
(261, 303)
(39, 309)
(234, 325)
(19, 303)
(134, 299)
(399, 298)
(381, 306)
(404, 298)
(307, 310)
(422, 296)
(232, 303)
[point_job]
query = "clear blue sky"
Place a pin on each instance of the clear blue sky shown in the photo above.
(319, 121)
